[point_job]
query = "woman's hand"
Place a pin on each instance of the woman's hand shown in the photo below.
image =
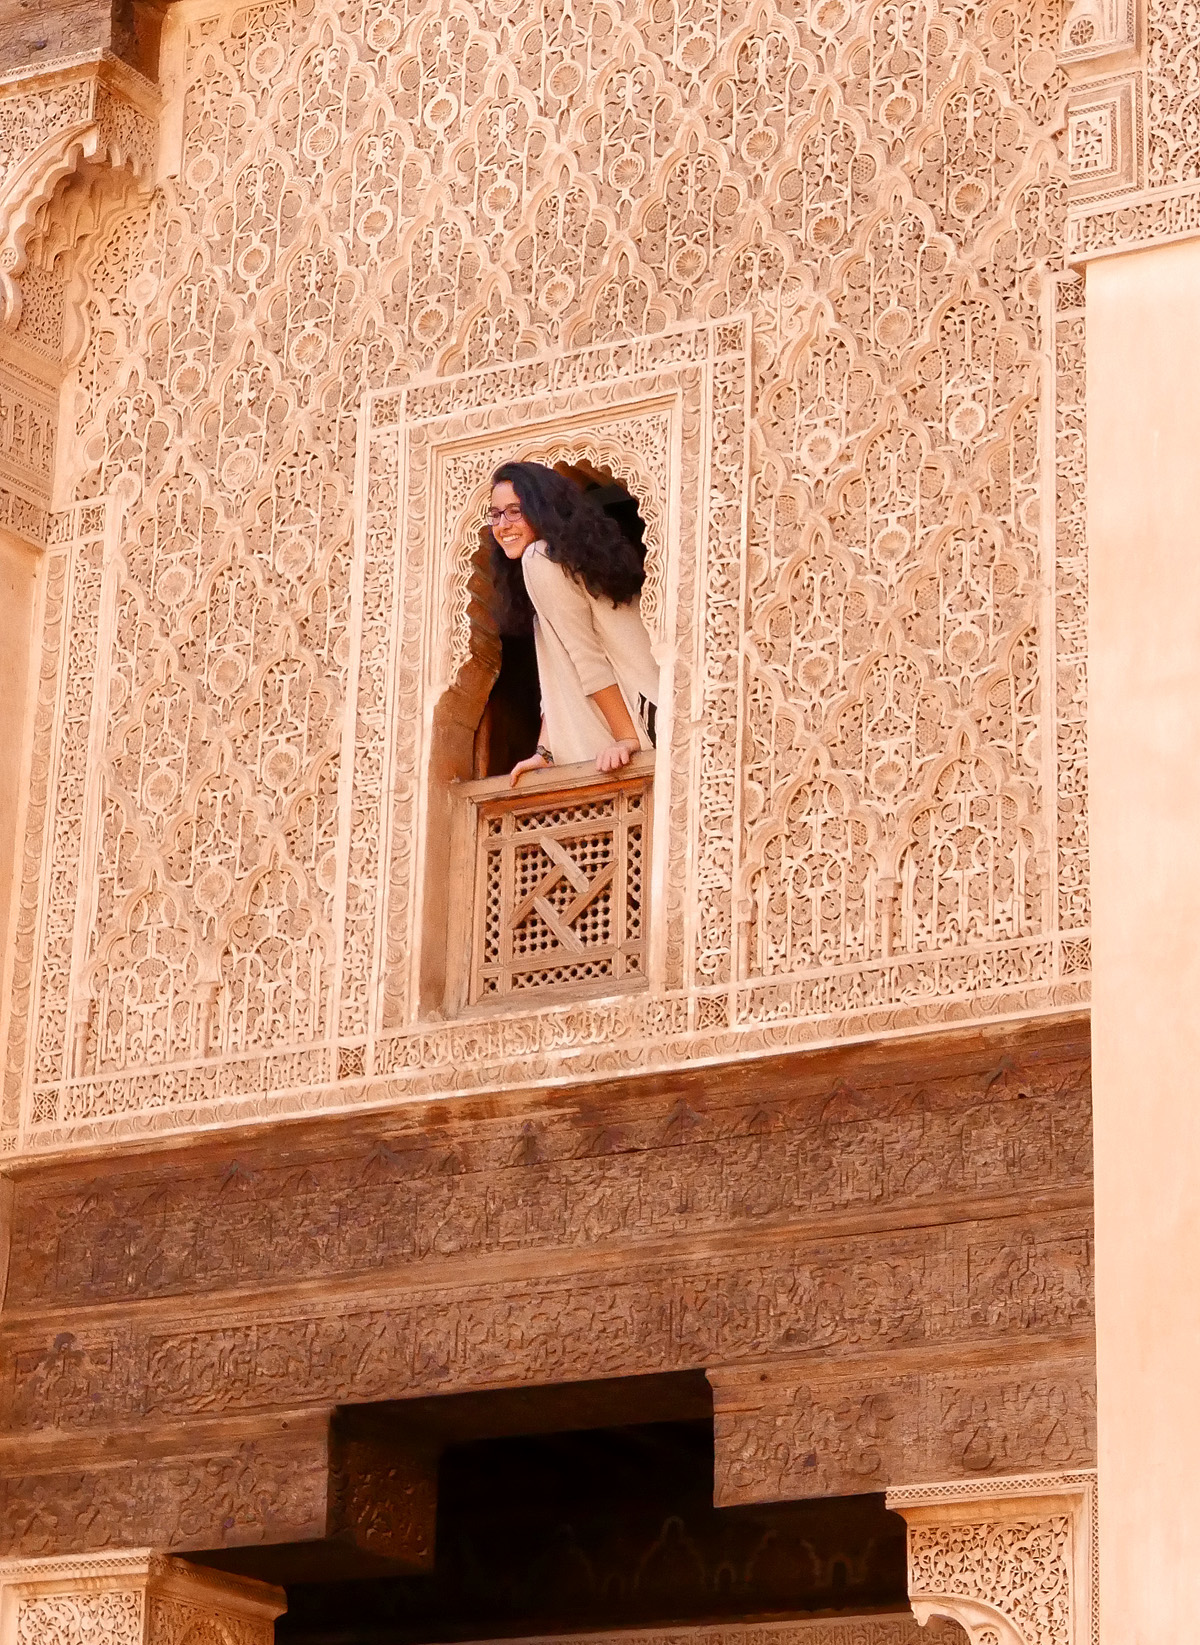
(535, 762)
(618, 754)
(625, 740)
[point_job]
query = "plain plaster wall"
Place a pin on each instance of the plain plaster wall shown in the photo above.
(1143, 405)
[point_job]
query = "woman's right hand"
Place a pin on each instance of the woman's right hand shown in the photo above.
(535, 762)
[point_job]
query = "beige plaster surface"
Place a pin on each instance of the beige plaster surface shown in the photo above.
(1143, 403)
(18, 575)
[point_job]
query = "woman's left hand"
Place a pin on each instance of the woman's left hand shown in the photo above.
(617, 754)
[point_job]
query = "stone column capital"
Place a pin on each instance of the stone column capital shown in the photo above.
(133, 1597)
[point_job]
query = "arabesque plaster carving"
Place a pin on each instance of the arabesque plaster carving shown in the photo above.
(799, 280)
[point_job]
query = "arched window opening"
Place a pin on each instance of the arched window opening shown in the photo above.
(541, 889)
(508, 727)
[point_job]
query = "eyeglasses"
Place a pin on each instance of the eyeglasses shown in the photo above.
(495, 516)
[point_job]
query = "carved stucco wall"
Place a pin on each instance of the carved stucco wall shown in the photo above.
(1131, 135)
(823, 244)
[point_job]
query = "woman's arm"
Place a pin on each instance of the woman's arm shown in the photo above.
(626, 741)
(535, 762)
(568, 609)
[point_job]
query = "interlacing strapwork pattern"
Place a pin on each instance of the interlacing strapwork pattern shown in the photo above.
(872, 638)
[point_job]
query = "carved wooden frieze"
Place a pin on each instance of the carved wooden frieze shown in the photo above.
(873, 1270)
(777, 1149)
(941, 1210)
(984, 1281)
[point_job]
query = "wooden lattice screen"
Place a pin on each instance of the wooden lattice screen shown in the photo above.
(560, 887)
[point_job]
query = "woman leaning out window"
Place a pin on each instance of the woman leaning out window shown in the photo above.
(557, 555)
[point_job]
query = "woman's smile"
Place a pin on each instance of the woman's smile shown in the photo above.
(509, 526)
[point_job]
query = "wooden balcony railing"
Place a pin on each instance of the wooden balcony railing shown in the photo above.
(560, 868)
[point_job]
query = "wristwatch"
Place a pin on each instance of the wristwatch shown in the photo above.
(545, 753)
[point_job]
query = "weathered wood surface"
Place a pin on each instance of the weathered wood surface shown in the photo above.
(886, 1259)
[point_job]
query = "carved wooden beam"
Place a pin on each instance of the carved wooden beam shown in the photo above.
(218, 1486)
(776, 1213)
(810, 1427)
(288, 1479)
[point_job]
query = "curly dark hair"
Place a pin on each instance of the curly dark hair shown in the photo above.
(579, 535)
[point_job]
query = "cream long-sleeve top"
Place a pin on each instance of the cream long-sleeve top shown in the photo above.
(584, 643)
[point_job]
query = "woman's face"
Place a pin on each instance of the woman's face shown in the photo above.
(509, 526)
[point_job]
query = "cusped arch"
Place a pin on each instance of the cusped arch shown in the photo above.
(636, 469)
(104, 117)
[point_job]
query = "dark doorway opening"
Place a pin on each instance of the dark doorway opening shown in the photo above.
(610, 1528)
(508, 728)
(578, 1508)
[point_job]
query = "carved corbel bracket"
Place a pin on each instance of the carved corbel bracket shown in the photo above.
(982, 1624)
(1012, 1561)
(96, 112)
(134, 1597)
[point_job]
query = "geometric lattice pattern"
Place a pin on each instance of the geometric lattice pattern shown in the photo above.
(560, 889)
